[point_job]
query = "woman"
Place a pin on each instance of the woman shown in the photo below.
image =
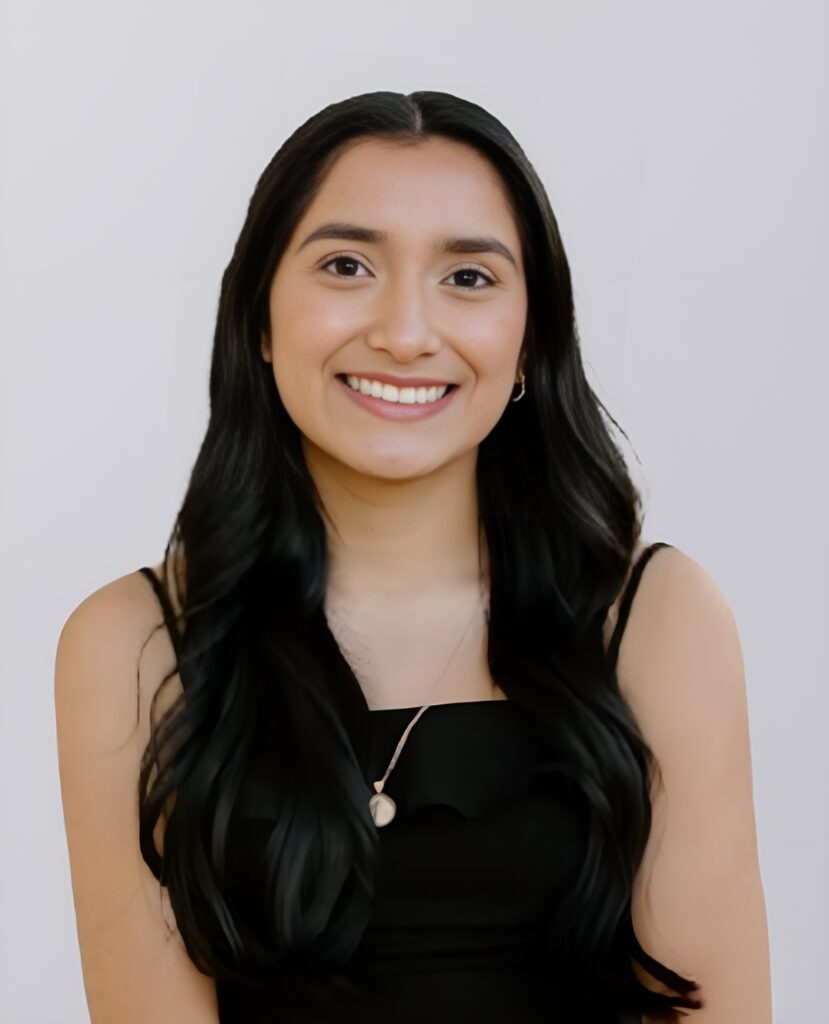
(406, 766)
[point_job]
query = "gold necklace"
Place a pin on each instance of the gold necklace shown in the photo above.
(382, 806)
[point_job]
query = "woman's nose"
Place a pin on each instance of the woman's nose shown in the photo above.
(404, 323)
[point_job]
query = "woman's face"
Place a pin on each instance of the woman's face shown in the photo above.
(391, 291)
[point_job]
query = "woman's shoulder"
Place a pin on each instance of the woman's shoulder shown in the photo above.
(123, 607)
(678, 622)
(669, 580)
(114, 634)
(659, 583)
(128, 603)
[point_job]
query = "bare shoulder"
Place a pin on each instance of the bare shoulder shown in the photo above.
(679, 638)
(120, 628)
(127, 601)
(678, 613)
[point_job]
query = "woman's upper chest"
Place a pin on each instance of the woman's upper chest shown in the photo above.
(423, 651)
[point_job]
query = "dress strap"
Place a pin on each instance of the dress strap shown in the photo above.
(627, 599)
(166, 606)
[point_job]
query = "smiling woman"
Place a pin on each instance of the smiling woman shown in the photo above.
(408, 770)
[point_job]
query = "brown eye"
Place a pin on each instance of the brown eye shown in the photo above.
(472, 273)
(342, 261)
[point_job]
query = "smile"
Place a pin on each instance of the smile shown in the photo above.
(391, 402)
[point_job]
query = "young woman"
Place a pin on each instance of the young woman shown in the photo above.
(392, 759)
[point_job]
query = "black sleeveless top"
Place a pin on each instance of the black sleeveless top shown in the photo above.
(485, 838)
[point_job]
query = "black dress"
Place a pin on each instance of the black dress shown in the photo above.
(485, 839)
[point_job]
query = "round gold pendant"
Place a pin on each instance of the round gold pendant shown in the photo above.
(382, 808)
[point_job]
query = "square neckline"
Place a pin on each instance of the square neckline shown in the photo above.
(446, 704)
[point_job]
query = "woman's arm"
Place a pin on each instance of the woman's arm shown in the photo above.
(133, 970)
(698, 903)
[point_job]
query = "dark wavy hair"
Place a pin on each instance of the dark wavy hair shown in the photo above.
(562, 519)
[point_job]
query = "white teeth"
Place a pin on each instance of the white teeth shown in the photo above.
(390, 393)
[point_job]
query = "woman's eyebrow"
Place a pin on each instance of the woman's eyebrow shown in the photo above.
(354, 233)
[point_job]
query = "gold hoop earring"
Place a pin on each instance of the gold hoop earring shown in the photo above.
(521, 395)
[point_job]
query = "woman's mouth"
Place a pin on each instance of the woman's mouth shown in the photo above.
(392, 402)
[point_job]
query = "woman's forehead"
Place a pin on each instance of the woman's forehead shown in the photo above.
(433, 179)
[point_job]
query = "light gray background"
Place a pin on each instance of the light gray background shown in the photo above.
(684, 149)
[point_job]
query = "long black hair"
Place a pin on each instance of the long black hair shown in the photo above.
(247, 563)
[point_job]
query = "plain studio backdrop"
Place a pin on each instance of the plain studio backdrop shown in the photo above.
(684, 149)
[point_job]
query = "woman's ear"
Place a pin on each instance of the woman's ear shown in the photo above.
(265, 347)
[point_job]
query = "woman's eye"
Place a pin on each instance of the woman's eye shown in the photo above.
(473, 272)
(342, 260)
